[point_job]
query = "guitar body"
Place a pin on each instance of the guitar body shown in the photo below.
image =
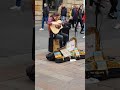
(53, 27)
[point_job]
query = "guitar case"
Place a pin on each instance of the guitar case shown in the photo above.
(50, 57)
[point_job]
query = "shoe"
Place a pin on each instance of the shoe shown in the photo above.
(83, 36)
(15, 8)
(112, 16)
(81, 32)
(117, 26)
(41, 29)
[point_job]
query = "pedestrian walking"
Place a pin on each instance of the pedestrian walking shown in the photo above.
(79, 19)
(74, 15)
(45, 15)
(63, 13)
(113, 9)
(17, 5)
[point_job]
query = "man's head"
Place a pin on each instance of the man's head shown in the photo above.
(63, 5)
(75, 6)
(45, 5)
(56, 16)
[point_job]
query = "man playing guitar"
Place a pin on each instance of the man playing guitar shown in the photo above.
(54, 27)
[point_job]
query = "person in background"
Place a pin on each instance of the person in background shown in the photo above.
(45, 15)
(59, 8)
(74, 15)
(84, 19)
(70, 15)
(79, 19)
(61, 36)
(63, 13)
(113, 9)
(17, 6)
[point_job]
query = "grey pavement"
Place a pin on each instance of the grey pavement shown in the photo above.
(16, 29)
(110, 38)
(53, 76)
(15, 46)
(108, 35)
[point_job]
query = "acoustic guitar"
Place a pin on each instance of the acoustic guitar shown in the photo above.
(56, 26)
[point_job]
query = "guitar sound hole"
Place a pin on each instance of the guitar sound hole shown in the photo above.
(57, 26)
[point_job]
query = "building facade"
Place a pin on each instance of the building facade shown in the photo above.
(38, 9)
(69, 3)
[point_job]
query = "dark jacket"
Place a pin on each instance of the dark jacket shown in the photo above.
(80, 14)
(74, 13)
(64, 11)
(46, 11)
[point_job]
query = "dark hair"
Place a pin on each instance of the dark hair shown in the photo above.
(55, 14)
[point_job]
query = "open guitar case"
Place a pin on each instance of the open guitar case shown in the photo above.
(63, 54)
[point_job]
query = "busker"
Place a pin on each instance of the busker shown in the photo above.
(55, 25)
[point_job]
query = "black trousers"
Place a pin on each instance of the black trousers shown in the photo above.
(113, 6)
(73, 22)
(81, 23)
(64, 38)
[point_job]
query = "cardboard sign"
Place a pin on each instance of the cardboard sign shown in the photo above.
(65, 52)
(70, 45)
